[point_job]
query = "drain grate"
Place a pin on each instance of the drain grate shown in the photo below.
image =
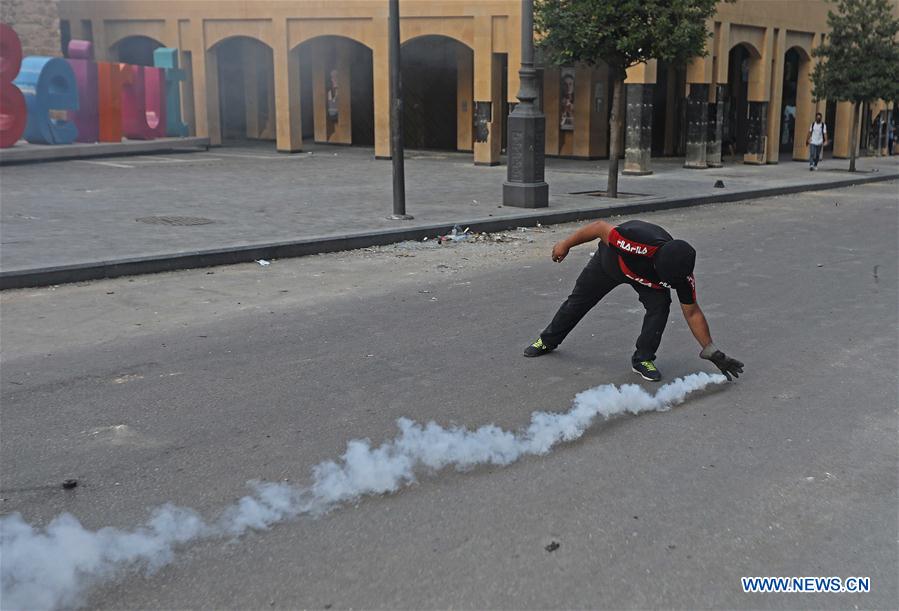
(178, 221)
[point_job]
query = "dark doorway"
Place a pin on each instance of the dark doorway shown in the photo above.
(429, 92)
(137, 50)
(736, 106)
(246, 89)
(788, 101)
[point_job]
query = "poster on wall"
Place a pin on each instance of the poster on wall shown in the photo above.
(332, 95)
(566, 99)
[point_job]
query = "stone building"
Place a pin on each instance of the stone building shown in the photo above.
(316, 70)
(37, 24)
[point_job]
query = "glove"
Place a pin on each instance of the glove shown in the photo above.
(728, 366)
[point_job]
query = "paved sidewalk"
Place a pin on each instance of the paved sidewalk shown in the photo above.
(117, 211)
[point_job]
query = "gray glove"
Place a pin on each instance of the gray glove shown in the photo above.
(728, 366)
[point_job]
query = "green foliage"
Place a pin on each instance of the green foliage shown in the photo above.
(622, 33)
(859, 58)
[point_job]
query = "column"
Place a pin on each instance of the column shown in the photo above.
(380, 58)
(805, 110)
(487, 94)
(697, 129)
(464, 99)
(638, 135)
(551, 112)
(210, 101)
(320, 53)
(342, 132)
(288, 112)
(715, 128)
(251, 84)
(776, 71)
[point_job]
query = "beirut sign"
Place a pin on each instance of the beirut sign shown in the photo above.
(101, 101)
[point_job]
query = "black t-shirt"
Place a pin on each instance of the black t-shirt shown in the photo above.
(632, 246)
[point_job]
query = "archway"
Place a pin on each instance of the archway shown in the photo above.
(668, 110)
(137, 50)
(736, 116)
(438, 86)
(337, 90)
(246, 79)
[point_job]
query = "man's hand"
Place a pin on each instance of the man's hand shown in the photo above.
(560, 251)
(728, 366)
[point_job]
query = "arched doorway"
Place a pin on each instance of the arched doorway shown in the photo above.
(668, 111)
(736, 115)
(438, 86)
(337, 91)
(246, 79)
(137, 50)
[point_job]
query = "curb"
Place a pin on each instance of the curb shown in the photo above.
(66, 152)
(81, 272)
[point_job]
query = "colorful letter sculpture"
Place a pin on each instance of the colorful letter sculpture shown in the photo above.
(85, 118)
(143, 103)
(110, 78)
(167, 59)
(100, 101)
(13, 112)
(48, 83)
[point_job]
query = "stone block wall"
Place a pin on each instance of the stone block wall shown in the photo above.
(37, 24)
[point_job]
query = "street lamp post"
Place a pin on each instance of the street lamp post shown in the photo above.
(525, 187)
(396, 117)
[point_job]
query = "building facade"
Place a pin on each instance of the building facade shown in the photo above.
(317, 70)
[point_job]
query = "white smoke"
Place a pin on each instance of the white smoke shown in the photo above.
(53, 567)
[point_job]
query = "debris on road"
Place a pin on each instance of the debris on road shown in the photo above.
(69, 484)
(263, 262)
(719, 184)
(553, 546)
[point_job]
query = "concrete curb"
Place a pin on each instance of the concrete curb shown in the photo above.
(38, 153)
(95, 270)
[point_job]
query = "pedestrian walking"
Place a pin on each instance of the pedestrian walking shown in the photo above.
(646, 257)
(816, 141)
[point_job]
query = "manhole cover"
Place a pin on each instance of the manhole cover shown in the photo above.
(181, 221)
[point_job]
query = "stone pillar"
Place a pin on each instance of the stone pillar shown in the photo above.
(288, 112)
(805, 111)
(756, 133)
(772, 152)
(842, 131)
(210, 101)
(380, 59)
(715, 129)
(251, 85)
(487, 95)
(697, 130)
(638, 134)
(464, 99)
(342, 132)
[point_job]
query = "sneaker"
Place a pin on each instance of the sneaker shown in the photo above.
(811, 168)
(538, 348)
(648, 370)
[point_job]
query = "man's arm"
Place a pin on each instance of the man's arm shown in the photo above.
(699, 326)
(595, 230)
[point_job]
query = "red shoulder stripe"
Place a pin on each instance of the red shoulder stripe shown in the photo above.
(630, 246)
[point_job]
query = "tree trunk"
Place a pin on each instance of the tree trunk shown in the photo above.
(853, 139)
(615, 139)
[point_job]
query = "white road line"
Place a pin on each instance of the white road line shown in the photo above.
(106, 163)
(247, 156)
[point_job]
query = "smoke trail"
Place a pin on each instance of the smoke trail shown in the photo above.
(55, 567)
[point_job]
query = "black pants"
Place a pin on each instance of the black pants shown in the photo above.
(593, 284)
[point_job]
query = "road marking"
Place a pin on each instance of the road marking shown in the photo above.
(106, 163)
(249, 156)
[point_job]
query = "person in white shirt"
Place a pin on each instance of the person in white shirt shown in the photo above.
(816, 141)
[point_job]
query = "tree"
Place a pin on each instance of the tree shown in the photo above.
(621, 33)
(858, 59)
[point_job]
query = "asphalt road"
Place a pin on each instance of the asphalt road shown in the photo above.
(182, 387)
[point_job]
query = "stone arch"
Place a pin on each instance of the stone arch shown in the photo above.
(796, 107)
(460, 29)
(242, 68)
(336, 89)
(135, 49)
(438, 92)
